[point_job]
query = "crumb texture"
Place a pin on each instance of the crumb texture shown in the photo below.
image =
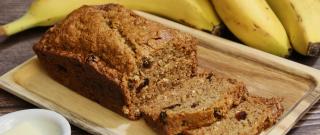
(199, 101)
(249, 118)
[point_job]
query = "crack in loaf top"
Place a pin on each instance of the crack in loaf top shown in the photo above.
(115, 34)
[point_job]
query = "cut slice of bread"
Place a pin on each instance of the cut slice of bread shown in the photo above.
(197, 102)
(249, 118)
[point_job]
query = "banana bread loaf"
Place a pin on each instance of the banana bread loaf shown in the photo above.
(115, 57)
(197, 102)
(249, 118)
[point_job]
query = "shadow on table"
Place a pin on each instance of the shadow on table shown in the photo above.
(24, 36)
(306, 60)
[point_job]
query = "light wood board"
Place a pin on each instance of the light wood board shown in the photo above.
(264, 74)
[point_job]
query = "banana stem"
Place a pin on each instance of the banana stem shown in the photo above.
(3, 34)
(25, 22)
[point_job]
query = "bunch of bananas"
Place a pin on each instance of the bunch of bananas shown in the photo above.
(269, 25)
(274, 25)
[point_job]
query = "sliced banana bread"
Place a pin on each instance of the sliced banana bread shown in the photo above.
(115, 57)
(249, 118)
(197, 102)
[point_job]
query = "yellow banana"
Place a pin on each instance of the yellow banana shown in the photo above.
(197, 13)
(254, 23)
(301, 19)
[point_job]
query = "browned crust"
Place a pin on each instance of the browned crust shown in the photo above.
(275, 110)
(86, 34)
(274, 105)
(85, 79)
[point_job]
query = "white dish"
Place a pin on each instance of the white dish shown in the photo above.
(34, 121)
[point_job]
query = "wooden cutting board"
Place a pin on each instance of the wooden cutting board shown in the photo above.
(264, 74)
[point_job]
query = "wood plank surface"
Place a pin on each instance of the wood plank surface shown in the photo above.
(17, 49)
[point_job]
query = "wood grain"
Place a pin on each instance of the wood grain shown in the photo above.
(17, 49)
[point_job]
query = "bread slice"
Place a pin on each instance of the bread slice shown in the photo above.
(113, 56)
(249, 118)
(197, 102)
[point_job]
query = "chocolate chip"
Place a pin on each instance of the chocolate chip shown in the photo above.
(242, 115)
(163, 117)
(146, 62)
(209, 77)
(217, 114)
(157, 38)
(184, 123)
(142, 85)
(266, 124)
(146, 81)
(194, 104)
(232, 81)
(91, 58)
(131, 84)
(234, 105)
(172, 106)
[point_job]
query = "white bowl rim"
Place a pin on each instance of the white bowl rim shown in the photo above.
(44, 113)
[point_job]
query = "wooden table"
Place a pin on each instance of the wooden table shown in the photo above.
(18, 48)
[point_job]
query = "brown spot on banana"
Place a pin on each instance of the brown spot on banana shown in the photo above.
(299, 18)
(256, 26)
(313, 49)
(292, 6)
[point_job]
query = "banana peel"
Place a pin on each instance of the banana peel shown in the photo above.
(255, 24)
(301, 19)
(196, 13)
